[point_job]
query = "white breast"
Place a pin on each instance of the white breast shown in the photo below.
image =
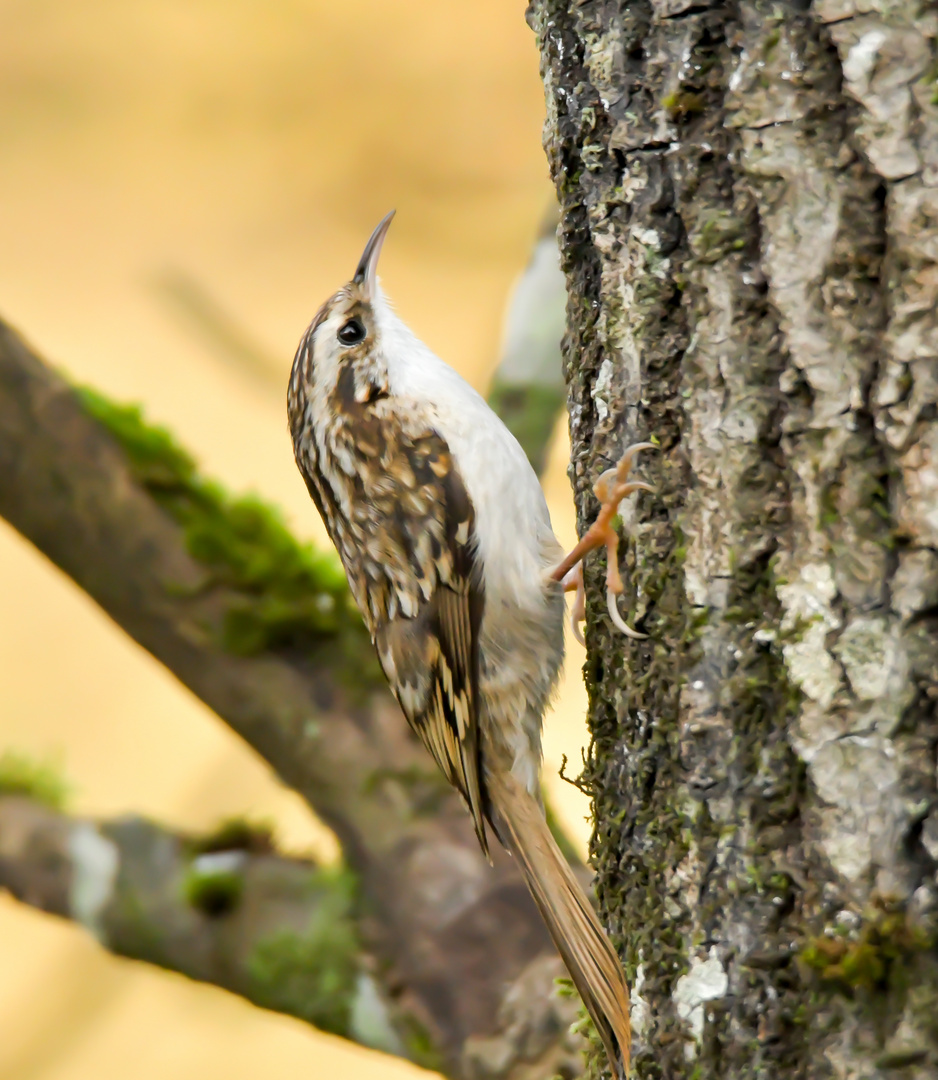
(516, 541)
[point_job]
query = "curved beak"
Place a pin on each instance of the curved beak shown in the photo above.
(367, 273)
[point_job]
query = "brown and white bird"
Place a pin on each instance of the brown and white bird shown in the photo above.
(444, 533)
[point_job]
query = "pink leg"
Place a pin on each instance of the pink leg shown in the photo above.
(611, 488)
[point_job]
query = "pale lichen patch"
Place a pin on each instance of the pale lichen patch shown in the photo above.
(601, 387)
(95, 863)
(915, 584)
(858, 777)
(876, 663)
(812, 667)
(880, 64)
(706, 981)
(814, 728)
(639, 1012)
(370, 1022)
(809, 615)
(918, 501)
(604, 59)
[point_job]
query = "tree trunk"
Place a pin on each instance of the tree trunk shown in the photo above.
(750, 232)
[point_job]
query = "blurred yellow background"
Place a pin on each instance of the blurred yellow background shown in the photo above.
(165, 161)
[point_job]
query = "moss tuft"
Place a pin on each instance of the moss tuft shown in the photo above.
(313, 974)
(213, 886)
(39, 780)
(870, 957)
(715, 234)
(683, 103)
(287, 593)
(236, 834)
(420, 1046)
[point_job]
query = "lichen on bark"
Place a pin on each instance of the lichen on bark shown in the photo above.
(738, 186)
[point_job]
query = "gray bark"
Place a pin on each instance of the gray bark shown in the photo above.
(749, 229)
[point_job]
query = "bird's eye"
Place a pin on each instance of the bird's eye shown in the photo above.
(352, 332)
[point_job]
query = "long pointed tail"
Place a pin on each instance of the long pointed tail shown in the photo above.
(573, 925)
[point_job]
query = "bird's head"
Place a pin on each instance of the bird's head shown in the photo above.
(339, 363)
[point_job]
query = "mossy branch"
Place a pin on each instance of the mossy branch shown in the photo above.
(280, 932)
(290, 594)
(39, 780)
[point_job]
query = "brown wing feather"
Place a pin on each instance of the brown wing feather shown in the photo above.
(449, 725)
(432, 659)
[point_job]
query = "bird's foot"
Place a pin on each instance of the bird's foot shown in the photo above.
(611, 488)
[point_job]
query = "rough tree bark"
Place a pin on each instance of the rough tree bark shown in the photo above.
(749, 202)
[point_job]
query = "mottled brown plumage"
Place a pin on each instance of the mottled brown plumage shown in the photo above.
(403, 525)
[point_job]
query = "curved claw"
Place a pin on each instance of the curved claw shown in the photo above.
(625, 462)
(574, 580)
(610, 489)
(577, 632)
(623, 466)
(617, 619)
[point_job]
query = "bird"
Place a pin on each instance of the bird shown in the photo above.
(444, 533)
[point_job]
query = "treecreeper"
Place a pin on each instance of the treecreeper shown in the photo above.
(445, 536)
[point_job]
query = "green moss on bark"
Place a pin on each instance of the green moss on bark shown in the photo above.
(212, 888)
(23, 775)
(288, 593)
(871, 956)
(236, 834)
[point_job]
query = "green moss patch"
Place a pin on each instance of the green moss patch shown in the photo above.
(872, 956)
(287, 592)
(236, 834)
(39, 780)
(683, 103)
(214, 883)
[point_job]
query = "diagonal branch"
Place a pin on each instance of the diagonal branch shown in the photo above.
(159, 550)
(226, 910)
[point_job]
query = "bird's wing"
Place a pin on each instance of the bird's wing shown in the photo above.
(430, 649)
